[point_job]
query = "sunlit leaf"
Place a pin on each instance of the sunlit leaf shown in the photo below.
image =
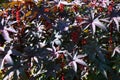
(7, 59)
(11, 29)
(74, 65)
(6, 36)
(1, 49)
(94, 28)
(81, 62)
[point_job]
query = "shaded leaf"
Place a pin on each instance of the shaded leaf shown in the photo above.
(99, 24)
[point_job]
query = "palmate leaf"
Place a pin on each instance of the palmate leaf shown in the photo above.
(95, 23)
(99, 24)
(80, 61)
(116, 20)
(77, 59)
(39, 41)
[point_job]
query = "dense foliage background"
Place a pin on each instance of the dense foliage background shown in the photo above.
(60, 40)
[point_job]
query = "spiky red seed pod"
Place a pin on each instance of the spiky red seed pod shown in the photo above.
(100, 9)
(55, 8)
(79, 19)
(18, 16)
(75, 8)
(110, 41)
(84, 42)
(48, 25)
(46, 10)
(62, 77)
(62, 65)
(61, 7)
(110, 8)
(110, 47)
